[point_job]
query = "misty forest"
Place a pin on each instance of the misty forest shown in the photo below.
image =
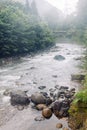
(43, 65)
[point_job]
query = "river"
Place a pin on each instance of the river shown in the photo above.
(28, 73)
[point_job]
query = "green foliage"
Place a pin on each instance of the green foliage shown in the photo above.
(21, 32)
(85, 82)
(81, 97)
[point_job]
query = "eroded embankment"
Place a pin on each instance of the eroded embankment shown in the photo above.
(78, 109)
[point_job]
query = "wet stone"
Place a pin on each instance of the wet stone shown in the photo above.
(64, 87)
(34, 82)
(20, 108)
(78, 77)
(54, 76)
(51, 94)
(65, 128)
(57, 86)
(38, 98)
(73, 90)
(42, 87)
(47, 113)
(19, 98)
(39, 118)
(59, 57)
(41, 107)
(32, 68)
(7, 92)
(48, 101)
(44, 94)
(52, 90)
(59, 125)
(68, 95)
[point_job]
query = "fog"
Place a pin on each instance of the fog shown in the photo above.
(65, 6)
(42, 43)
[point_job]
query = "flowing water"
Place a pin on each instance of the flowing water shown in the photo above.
(28, 73)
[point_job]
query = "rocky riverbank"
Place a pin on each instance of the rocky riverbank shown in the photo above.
(56, 102)
(78, 109)
(32, 84)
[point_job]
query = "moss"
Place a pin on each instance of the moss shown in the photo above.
(85, 82)
(78, 77)
(81, 98)
(78, 117)
(78, 109)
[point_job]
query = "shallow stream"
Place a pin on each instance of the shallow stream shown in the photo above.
(28, 73)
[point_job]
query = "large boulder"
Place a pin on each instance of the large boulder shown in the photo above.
(59, 57)
(78, 77)
(19, 98)
(56, 106)
(60, 108)
(38, 98)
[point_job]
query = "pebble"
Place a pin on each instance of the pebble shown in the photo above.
(39, 118)
(20, 108)
(59, 125)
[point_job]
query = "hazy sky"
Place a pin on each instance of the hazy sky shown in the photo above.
(67, 6)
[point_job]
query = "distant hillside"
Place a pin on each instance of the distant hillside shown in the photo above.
(47, 12)
(44, 7)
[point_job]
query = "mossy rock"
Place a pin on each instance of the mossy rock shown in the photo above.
(78, 77)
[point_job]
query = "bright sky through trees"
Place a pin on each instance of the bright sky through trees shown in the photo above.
(67, 6)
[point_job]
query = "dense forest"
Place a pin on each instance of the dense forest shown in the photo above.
(21, 29)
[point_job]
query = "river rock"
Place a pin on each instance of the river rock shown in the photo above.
(59, 57)
(60, 108)
(57, 86)
(44, 94)
(51, 94)
(59, 125)
(38, 98)
(68, 95)
(42, 87)
(63, 88)
(52, 90)
(56, 106)
(19, 98)
(72, 89)
(78, 58)
(47, 113)
(7, 92)
(48, 101)
(55, 76)
(39, 118)
(20, 108)
(60, 93)
(78, 77)
(41, 107)
(65, 128)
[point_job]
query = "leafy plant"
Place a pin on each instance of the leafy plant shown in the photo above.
(20, 31)
(81, 96)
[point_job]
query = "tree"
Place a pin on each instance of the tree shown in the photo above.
(20, 32)
(34, 8)
(82, 12)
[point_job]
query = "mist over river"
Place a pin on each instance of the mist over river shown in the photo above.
(30, 72)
